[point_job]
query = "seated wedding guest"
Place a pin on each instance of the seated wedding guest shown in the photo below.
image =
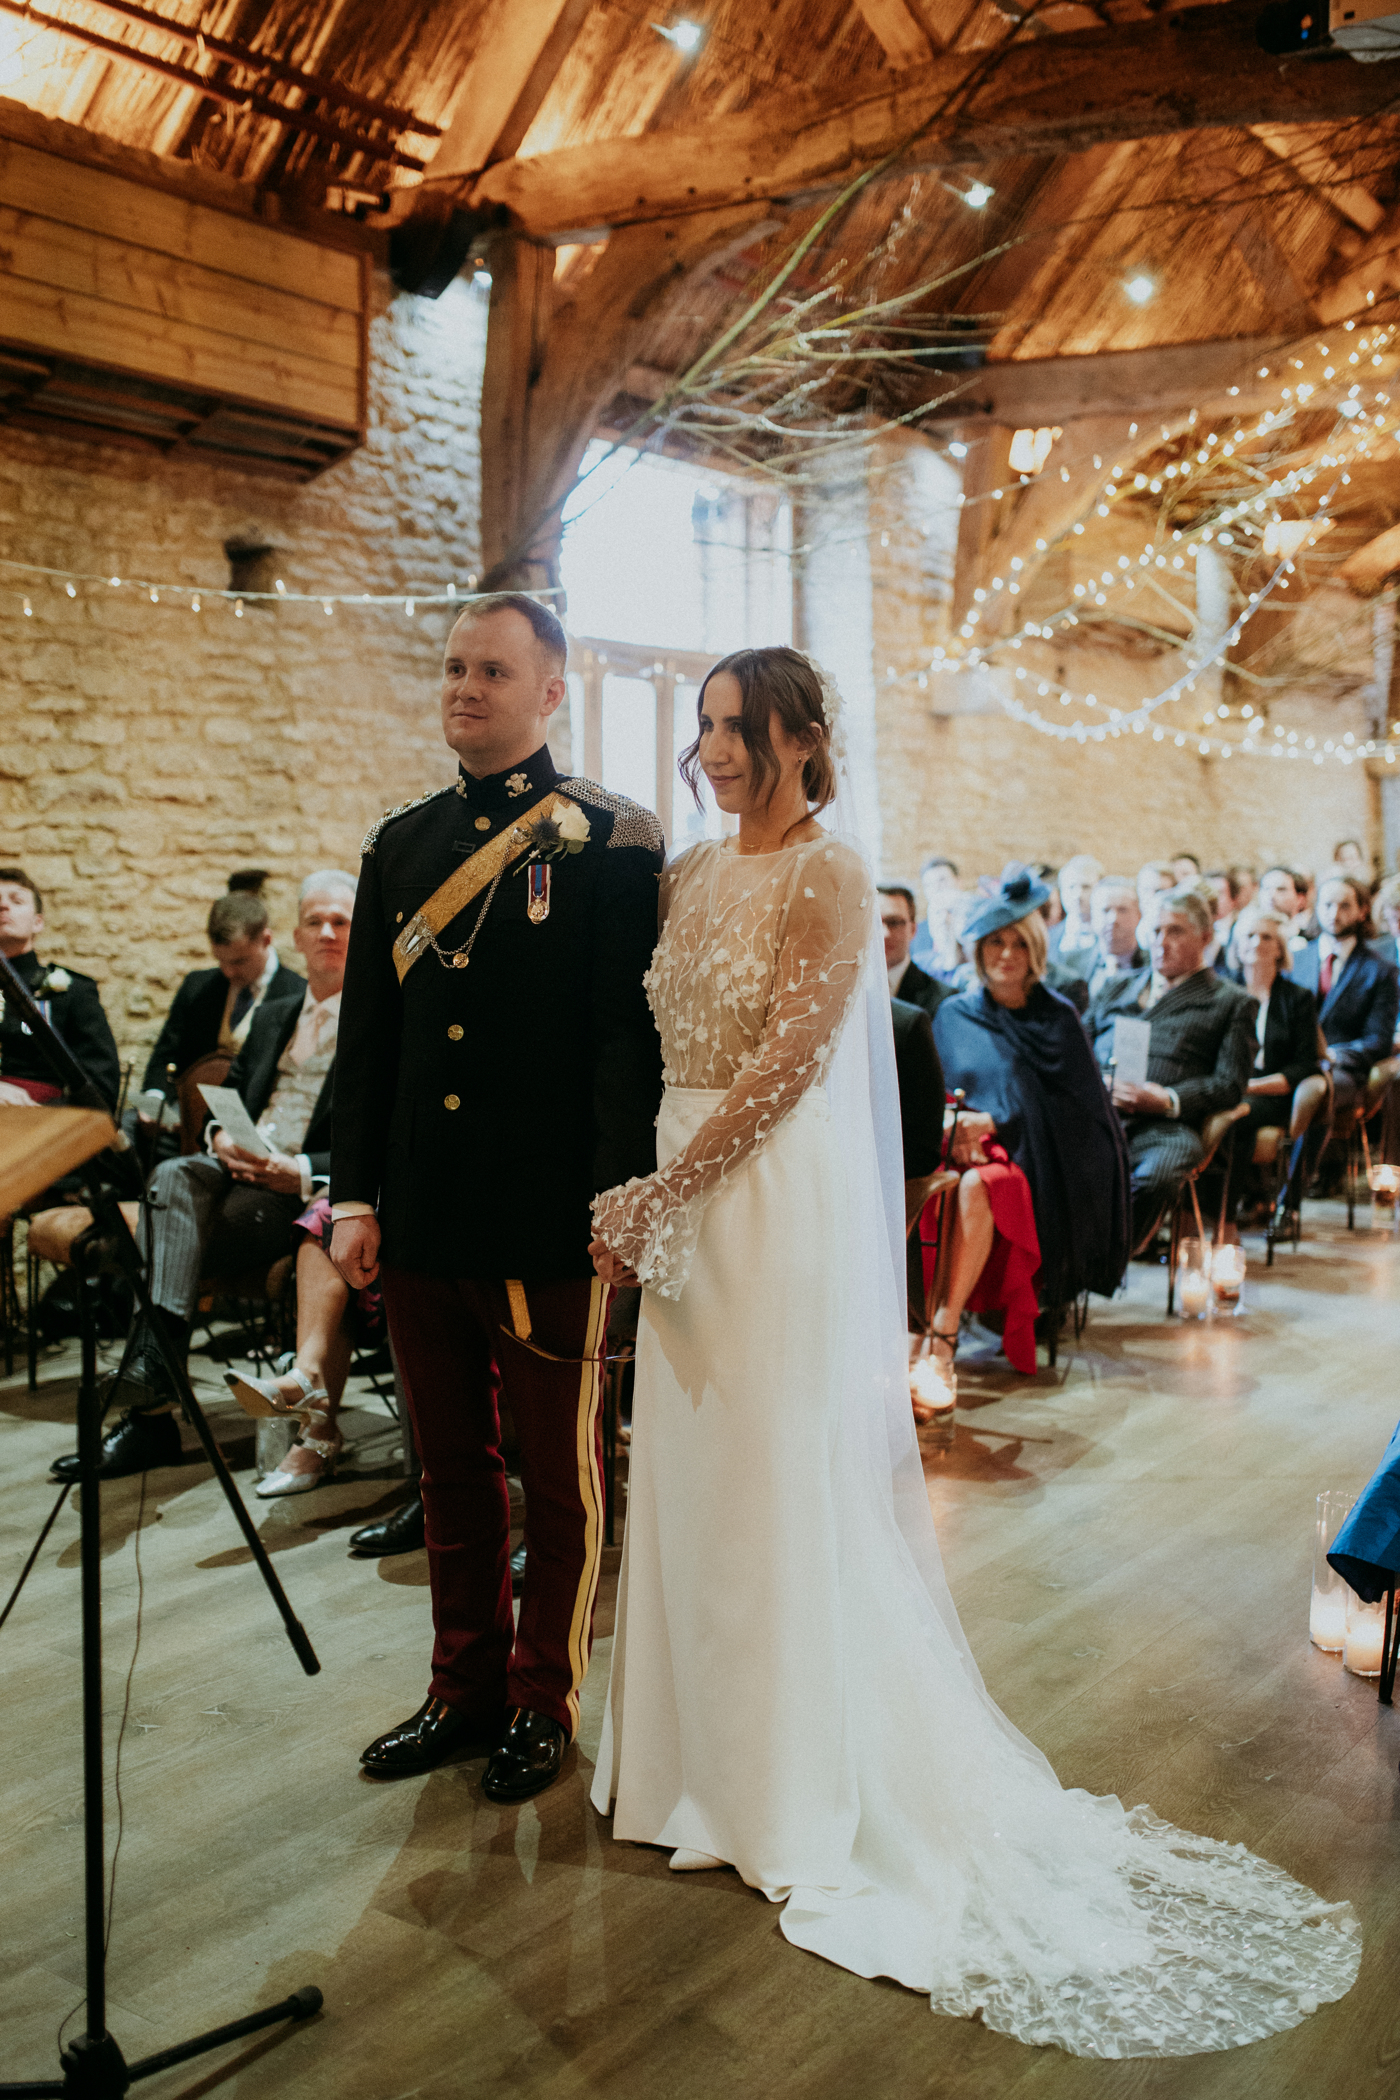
(1200, 1053)
(213, 1009)
(1385, 911)
(310, 1382)
(921, 1097)
(1349, 856)
(935, 944)
(1073, 940)
(1037, 1122)
(1357, 991)
(1152, 879)
(1115, 915)
(1218, 883)
(1284, 890)
(1243, 884)
(1286, 1087)
(69, 1001)
(907, 980)
(226, 1210)
(1185, 867)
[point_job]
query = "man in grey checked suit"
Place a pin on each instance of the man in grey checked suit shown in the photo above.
(1199, 1058)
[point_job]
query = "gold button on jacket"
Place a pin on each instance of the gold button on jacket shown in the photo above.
(483, 823)
(454, 1033)
(450, 1101)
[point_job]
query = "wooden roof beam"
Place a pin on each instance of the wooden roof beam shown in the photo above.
(515, 65)
(1145, 384)
(1198, 68)
(900, 32)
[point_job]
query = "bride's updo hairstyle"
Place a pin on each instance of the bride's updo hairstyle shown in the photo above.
(773, 681)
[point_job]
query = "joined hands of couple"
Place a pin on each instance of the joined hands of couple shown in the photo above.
(355, 1252)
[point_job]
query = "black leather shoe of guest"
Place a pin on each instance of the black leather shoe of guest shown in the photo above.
(138, 1444)
(401, 1533)
(429, 1737)
(528, 1760)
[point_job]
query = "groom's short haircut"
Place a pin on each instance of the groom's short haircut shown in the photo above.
(553, 642)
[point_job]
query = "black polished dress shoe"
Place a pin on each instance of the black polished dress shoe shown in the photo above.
(429, 1737)
(401, 1533)
(528, 1760)
(138, 1444)
(517, 1570)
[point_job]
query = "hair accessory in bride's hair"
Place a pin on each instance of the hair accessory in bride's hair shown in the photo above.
(833, 709)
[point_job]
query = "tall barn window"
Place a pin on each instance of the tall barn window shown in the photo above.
(667, 566)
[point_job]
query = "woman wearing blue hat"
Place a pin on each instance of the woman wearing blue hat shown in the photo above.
(1040, 1125)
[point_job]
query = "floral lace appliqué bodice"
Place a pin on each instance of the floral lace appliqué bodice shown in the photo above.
(755, 971)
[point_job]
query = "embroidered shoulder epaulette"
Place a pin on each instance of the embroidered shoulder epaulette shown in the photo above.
(633, 824)
(371, 837)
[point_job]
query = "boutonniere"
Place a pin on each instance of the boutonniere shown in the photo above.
(56, 980)
(550, 838)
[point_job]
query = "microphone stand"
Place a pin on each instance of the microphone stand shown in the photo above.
(93, 2067)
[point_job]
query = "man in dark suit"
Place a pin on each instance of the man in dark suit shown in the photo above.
(921, 1101)
(1114, 914)
(213, 1009)
(498, 1067)
(1199, 1056)
(69, 1001)
(1357, 991)
(907, 981)
(226, 1210)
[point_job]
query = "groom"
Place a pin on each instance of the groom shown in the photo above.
(498, 1066)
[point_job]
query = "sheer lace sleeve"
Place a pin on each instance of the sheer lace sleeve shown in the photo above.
(653, 1224)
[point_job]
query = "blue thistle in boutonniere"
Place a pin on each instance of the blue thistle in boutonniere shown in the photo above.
(550, 838)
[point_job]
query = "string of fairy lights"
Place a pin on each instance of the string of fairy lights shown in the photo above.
(1359, 430)
(196, 596)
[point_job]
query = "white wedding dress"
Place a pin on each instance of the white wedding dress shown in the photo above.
(791, 1690)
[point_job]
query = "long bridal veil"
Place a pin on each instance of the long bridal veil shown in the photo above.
(974, 1876)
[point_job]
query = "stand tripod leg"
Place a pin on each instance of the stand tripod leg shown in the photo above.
(194, 1414)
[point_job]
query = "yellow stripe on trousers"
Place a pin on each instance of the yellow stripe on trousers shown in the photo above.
(590, 1490)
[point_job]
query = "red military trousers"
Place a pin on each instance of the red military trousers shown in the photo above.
(451, 1337)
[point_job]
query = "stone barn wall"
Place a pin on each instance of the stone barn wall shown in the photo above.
(147, 750)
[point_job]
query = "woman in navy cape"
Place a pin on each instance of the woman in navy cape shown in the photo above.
(1031, 1070)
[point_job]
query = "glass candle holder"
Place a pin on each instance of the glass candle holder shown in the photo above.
(1227, 1267)
(1327, 1614)
(1385, 1186)
(1365, 1646)
(931, 1389)
(1193, 1287)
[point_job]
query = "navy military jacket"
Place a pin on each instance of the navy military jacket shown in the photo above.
(481, 1109)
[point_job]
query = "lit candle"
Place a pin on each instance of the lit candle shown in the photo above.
(1365, 1638)
(1227, 1274)
(1327, 1619)
(929, 1388)
(1193, 1289)
(1385, 1184)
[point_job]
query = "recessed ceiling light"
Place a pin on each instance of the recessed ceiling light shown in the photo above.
(1140, 289)
(686, 36)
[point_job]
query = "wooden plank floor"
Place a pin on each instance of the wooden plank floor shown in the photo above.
(1128, 1540)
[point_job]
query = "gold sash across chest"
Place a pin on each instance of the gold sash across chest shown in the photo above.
(468, 881)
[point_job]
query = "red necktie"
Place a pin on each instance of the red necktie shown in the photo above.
(1324, 975)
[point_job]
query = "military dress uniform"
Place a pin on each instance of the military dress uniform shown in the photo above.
(493, 1075)
(72, 1005)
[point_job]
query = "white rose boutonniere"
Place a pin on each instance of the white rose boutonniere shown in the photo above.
(550, 838)
(57, 981)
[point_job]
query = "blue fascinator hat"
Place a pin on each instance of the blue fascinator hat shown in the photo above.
(1016, 896)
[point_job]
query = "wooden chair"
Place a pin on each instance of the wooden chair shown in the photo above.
(51, 1236)
(1214, 1133)
(1369, 1103)
(1273, 1149)
(212, 1070)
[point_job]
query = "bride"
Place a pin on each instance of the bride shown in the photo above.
(792, 1694)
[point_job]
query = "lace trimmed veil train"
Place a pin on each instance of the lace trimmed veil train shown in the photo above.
(791, 1689)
